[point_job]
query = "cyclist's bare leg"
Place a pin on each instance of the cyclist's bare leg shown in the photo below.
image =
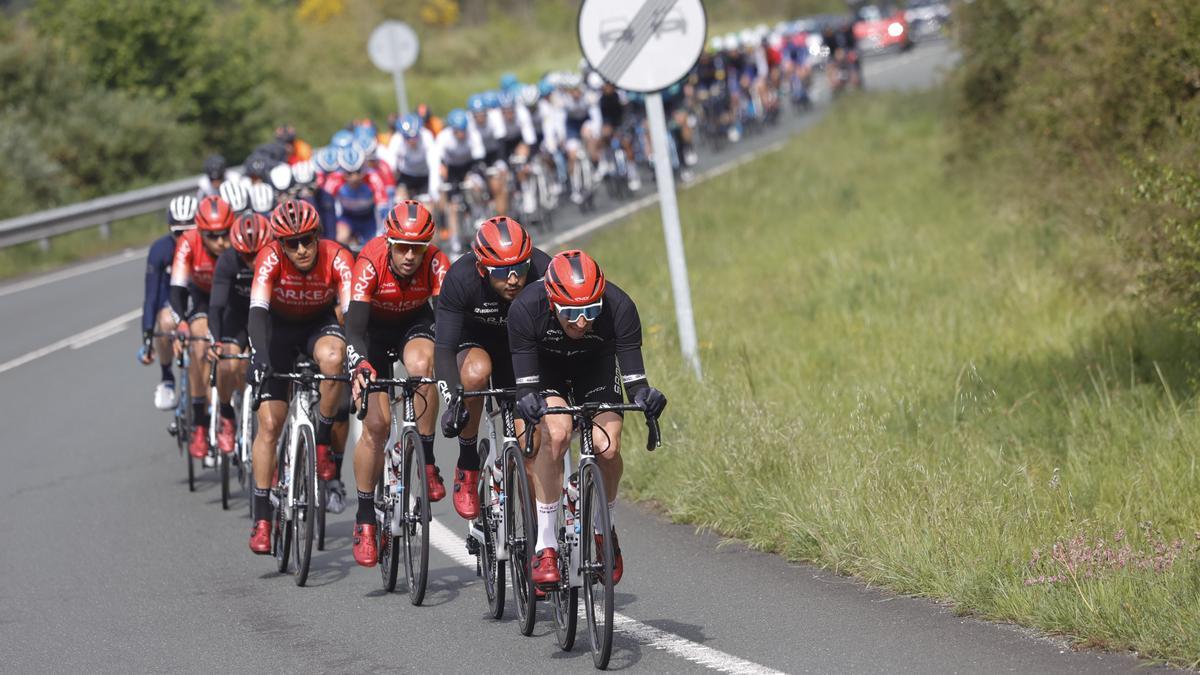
(498, 184)
(368, 453)
(474, 369)
(418, 362)
(345, 234)
(271, 417)
(608, 450)
(164, 324)
(546, 467)
(198, 368)
(330, 355)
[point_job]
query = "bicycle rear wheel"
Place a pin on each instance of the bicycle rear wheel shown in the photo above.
(304, 506)
(322, 495)
(565, 600)
(223, 462)
(386, 540)
(597, 563)
(518, 518)
(415, 504)
(281, 527)
(491, 569)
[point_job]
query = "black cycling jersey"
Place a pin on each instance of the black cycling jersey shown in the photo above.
(468, 303)
(230, 290)
(534, 333)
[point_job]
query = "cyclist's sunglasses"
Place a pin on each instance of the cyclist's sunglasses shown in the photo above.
(294, 243)
(502, 273)
(401, 245)
(588, 312)
(217, 235)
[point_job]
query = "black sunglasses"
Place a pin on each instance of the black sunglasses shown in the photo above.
(216, 236)
(294, 243)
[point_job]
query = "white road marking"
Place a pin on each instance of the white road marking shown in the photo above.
(124, 257)
(82, 339)
(455, 548)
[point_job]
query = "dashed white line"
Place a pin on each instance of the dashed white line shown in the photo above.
(454, 547)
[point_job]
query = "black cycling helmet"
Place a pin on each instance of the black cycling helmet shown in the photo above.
(285, 134)
(214, 167)
(259, 166)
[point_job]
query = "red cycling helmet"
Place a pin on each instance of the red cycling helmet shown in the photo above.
(294, 217)
(410, 223)
(574, 279)
(501, 241)
(251, 231)
(214, 214)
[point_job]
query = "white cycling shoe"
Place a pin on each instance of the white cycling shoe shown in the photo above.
(335, 499)
(164, 396)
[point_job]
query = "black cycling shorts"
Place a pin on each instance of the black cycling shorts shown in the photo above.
(495, 343)
(198, 305)
(416, 185)
(381, 339)
(234, 321)
(455, 175)
(290, 340)
(581, 379)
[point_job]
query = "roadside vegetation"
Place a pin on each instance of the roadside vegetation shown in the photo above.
(914, 380)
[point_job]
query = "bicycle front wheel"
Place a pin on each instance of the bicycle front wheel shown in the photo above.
(415, 504)
(223, 461)
(491, 569)
(281, 524)
(518, 517)
(387, 541)
(597, 562)
(565, 600)
(304, 505)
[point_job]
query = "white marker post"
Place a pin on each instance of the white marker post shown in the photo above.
(646, 46)
(393, 48)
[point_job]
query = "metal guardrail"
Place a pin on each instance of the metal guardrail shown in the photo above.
(100, 212)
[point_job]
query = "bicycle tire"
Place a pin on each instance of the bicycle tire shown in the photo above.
(223, 468)
(518, 516)
(388, 543)
(416, 511)
(491, 569)
(304, 507)
(597, 564)
(565, 600)
(322, 487)
(281, 529)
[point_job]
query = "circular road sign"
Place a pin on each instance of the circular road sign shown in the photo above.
(642, 45)
(393, 46)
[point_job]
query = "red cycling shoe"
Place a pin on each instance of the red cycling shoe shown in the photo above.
(466, 498)
(198, 448)
(260, 537)
(366, 551)
(545, 567)
(225, 436)
(437, 488)
(619, 562)
(326, 468)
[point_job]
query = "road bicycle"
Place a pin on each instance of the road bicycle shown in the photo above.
(402, 505)
(244, 437)
(182, 425)
(586, 562)
(504, 530)
(298, 495)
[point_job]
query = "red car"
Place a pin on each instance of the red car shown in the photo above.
(879, 28)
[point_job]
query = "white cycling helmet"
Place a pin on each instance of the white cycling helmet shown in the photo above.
(595, 81)
(281, 177)
(530, 95)
(304, 173)
(181, 213)
(234, 192)
(262, 198)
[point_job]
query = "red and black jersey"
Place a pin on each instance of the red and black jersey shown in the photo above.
(393, 299)
(286, 292)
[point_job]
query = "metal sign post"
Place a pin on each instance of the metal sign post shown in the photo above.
(647, 46)
(393, 48)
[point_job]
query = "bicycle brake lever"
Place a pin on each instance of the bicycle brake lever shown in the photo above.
(654, 437)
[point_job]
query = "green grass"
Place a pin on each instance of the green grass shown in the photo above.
(909, 380)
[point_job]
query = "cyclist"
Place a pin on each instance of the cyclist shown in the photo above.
(613, 118)
(297, 150)
(216, 173)
(415, 153)
(191, 277)
(236, 194)
(300, 284)
(582, 121)
(486, 119)
(229, 310)
(575, 334)
(395, 277)
(459, 148)
(326, 162)
(359, 197)
(156, 302)
(472, 343)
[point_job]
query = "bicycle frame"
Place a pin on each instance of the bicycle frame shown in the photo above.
(404, 417)
(496, 445)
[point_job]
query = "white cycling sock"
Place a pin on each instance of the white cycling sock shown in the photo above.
(612, 518)
(547, 514)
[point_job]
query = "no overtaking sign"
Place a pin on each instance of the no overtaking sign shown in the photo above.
(642, 45)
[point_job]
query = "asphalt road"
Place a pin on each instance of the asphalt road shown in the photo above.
(109, 564)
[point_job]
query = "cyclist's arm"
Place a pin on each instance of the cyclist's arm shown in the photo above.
(525, 121)
(627, 332)
(433, 159)
(158, 261)
(258, 327)
(343, 268)
(450, 318)
(181, 275)
(366, 278)
(223, 277)
(478, 152)
(522, 342)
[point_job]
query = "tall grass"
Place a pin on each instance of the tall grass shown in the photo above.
(908, 380)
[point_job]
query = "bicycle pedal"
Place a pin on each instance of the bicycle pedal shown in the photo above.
(472, 547)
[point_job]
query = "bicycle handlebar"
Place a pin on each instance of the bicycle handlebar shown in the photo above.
(590, 410)
(386, 384)
(307, 378)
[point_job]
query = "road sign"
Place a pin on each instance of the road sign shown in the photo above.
(642, 45)
(393, 48)
(647, 46)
